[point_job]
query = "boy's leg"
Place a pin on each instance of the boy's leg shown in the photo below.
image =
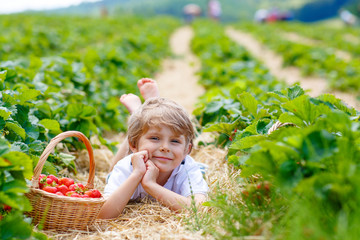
(148, 88)
(130, 101)
(123, 151)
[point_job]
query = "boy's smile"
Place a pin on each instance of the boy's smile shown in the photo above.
(166, 149)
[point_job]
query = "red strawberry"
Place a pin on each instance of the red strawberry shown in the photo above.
(7, 208)
(93, 193)
(59, 193)
(66, 181)
(42, 181)
(49, 181)
(50, 189)
(63, 189)
(96, 193)
(75, 195)
(77, 187)
(85, 196)
(69, 193)
(41, 176)
(53, 178)
(88, 193)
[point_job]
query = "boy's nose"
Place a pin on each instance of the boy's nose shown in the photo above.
(164, 149)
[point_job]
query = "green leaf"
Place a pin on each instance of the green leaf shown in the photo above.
(226, 128)
(49, 168)
(51, 124)
(2, 76)
(28, 95)
(262, 126)
(291, 118)
(37, 146)
(13, 226)
(7, 98)
(22, 114)
(20, 162)
(20, 147)
(259, 162)
(247, 142)
(15, 186)
(213, 107)
(251, 128)
(319, 145)
(249, 102)
(295, 91)
(4, 162)
(67, 159)
(279, 96)
(4, 113)
(80, 110)
(15, 127)
(305, 110)
(4, 146)
(330, 98)
(15, 200)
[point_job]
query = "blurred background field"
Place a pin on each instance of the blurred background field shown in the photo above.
(232, 10)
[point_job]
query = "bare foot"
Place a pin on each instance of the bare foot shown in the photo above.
(130, 101)
(148, 88)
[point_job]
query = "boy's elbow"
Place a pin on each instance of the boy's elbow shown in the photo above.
(107, 212)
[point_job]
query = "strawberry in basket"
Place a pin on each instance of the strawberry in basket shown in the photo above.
(66, 187)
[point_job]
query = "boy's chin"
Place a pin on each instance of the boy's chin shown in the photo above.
(162, 168)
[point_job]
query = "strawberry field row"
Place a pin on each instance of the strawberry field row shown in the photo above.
(298, 181)
(312, 60)
(345, 39)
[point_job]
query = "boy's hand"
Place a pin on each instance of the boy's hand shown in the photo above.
(152, 173)
(138, 161)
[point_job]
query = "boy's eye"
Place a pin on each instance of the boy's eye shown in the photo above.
(154, 138)
(175, 141)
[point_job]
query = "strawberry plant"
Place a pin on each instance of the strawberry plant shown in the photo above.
(14, 168)
(55, 78)
(295, 182)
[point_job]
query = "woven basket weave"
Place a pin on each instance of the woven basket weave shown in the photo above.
(51, 211)
(278, 125)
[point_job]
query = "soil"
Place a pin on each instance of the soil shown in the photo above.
(291, 75)
(177, 80)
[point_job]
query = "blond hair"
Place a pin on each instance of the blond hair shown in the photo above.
(158, 112)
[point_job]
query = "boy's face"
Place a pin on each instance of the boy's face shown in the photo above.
(166, 149)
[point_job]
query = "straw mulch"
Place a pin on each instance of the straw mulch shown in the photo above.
(145, 219)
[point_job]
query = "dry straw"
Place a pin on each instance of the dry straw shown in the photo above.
(51, 211)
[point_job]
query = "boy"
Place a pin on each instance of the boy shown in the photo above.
(160, 135)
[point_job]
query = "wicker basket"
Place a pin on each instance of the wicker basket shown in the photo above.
(278, 125)
(51, 211)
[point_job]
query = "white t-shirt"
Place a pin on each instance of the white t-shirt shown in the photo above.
(186, 179)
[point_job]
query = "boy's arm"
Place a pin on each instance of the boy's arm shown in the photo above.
(165, 196)
(171, 199)
(117, 201)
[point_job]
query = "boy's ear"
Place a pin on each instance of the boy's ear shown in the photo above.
(189, 148)
(132, 148)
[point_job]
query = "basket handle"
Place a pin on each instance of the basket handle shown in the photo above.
(278, 125)
(51, 146)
